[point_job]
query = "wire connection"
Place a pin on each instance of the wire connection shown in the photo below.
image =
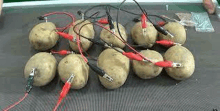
(162, 30)
(41, 18)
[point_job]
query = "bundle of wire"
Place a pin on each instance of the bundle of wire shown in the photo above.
(120, 38)
(158, 27)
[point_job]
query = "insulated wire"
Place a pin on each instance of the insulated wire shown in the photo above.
(62, 13)
(16, 103)
(119, 32)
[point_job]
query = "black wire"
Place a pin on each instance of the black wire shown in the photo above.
(119, 32)
(89, 9)
(117, 9)
(159, 17)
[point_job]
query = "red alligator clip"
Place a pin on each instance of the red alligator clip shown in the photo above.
(66, 36)
(166, 43)
(143, 21)
(61, 52)
(103, 21)
(161, 23)
(133, 56)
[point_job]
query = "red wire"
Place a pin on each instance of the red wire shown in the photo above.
(57, 18)
(16, 103)
(125, 43)
(57, 105)
(65, 13)
(79, 47)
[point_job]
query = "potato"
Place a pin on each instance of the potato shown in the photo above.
(45, 65)
(43, 36)
(111, 39)
(74, 64)
(180, 54)
(177, 30)
(86, 31)
(116, 66)
(148, 70)
(140, 39)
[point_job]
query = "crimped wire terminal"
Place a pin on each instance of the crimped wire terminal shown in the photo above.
(106, 76)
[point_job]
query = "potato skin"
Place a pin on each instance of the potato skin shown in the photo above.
(45, 65)
(138, 37)
(148, 70)
(74, 64)
(180, 54)
(115, 65)
(177, 30)
(43, 36)
(87, 31)
(110, 38)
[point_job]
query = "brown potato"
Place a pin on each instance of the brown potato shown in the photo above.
(177, 30)
(148, 70)
(87, 31)
(116, 66)
(45, 65)
(111, 39)
(180, 54)
(140, 39)
(43, 36)
(74, 64)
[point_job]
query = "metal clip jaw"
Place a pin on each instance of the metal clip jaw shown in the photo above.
(177, 64)
(70, 80)
(33, 71)
(74, 39)
(106, 76)
(45, 19)
(72, 52)
(144, 30)
(145, 60)
(108, 45)
(113, 30)
(83, 16)
(171, 35)
(177, 44)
